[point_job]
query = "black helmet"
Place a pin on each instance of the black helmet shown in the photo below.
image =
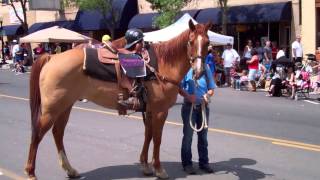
(133, 36)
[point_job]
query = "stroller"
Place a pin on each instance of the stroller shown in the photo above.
(303, 85)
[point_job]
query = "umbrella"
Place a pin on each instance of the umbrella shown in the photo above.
(55, 34)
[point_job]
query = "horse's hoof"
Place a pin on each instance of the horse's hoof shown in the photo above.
(162, 174)
(32, 178)
(146, 169)
(73, 174)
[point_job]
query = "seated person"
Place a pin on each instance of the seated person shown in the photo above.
(233, 73)
(290, 82)
(275, 85)
(243, 80)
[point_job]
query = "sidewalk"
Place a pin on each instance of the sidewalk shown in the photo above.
(10, 65)
(7, 66)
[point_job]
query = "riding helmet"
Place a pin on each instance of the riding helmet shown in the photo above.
(133, 36)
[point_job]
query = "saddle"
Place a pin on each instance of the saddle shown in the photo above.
(104, 64)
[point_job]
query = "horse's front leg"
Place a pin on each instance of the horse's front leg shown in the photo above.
(145, 167)
(158, 120)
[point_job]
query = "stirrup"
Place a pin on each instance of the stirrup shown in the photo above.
(132, 103)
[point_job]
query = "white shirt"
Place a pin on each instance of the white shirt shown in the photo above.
(296, 46)
(280, 54)
(229, 56)
(15, 49)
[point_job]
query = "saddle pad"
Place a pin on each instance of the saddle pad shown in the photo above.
(132, 65)
(94, 68)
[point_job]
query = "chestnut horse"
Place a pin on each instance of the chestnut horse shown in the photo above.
(58, 81)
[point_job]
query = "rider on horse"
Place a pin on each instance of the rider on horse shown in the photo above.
(134, 45)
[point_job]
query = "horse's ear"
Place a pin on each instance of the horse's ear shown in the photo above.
(208, 25)
(191, 25)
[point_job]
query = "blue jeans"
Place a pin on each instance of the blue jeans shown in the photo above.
(186, 154)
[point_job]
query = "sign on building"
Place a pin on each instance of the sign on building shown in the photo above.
(13, 17)
(45, 5)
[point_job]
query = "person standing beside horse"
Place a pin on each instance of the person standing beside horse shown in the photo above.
(196, 95)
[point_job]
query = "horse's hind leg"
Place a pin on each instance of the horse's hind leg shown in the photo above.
(158, 120)
(146, 169)
(58, 133)
(44, 124)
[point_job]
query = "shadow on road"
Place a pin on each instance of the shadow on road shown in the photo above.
(174, 169)
(236, 167)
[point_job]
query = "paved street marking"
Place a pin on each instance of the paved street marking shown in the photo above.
(10, 174)
(312, 102)
(295, 144)
(14, 97)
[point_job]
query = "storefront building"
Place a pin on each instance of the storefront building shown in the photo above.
(90, 23)
(277, 20)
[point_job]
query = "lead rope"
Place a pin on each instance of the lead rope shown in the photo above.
(204, 124)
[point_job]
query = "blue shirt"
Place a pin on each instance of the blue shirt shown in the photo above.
(211, 63)
(205, 83)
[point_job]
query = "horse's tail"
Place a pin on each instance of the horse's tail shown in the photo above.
(35, 98)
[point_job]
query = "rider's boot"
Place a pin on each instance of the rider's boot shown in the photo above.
(132, 103)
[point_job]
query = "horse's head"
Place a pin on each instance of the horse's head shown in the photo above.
(198, 46)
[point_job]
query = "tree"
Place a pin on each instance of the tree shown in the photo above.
(23, 4)
(168, 10)
(224, 11)
(104, 6)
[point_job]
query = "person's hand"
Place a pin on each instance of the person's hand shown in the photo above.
(206, 98)
(191, 98)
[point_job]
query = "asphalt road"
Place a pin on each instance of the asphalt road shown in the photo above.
(250, 137)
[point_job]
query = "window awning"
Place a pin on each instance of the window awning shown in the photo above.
(258, 13)
(145, 21)
(43, 25)
(92, 20)
(12, 30)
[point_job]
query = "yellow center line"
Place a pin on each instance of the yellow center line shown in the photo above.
(270, 139)
(10, 174)
(296, 146)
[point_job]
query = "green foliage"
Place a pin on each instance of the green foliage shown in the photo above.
(102, 5)
(168, 10)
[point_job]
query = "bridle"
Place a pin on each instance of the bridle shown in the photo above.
(190, 57)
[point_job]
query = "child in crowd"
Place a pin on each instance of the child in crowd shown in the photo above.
(233, 73)
(243, 80)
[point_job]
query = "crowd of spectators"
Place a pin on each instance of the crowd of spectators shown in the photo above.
(23, 55)
(253, 69)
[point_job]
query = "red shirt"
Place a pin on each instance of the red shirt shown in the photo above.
(255, 63)
(274, 53)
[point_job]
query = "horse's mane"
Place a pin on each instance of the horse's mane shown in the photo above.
(172, 49)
